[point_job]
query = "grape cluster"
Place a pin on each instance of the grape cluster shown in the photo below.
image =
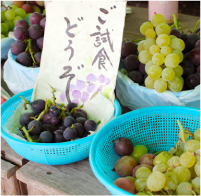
(51, 122)
(176, 172)
(29, 44)
(17, 11)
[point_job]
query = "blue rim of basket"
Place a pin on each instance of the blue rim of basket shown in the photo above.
(117, 112)
(126, 117)
(12, 60)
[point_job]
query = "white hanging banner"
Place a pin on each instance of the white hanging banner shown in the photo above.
(81, 51)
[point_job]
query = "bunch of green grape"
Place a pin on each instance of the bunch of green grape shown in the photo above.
(176, 172)
(9, 17)
(161, 53)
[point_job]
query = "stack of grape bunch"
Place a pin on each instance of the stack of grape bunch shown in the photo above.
(29, 44)
(17, 11)
(52, 123)
(176, 172)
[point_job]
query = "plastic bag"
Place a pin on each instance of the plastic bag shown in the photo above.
(5, 46)
(135, 96)
(19, 78)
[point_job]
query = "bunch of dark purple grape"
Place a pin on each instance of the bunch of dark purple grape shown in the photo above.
(52, 123)
(29, 44)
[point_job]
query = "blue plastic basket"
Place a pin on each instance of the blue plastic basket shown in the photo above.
(5, 46)
(154, 127)
(52, 153)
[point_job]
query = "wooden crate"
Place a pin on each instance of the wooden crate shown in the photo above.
(72, 179)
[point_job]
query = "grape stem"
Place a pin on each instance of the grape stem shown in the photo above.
(43, 112)
(172, 26)
(190, 133)
(75, 109)
(25, 102)
(176, 145)
(137, 40)
(158, 152)
(53, 93)
(184, 27)
(150, 193)
(175, 21)
(26, 132)
(30, 50)
(182, 131)
(196, 26)
(2, 5)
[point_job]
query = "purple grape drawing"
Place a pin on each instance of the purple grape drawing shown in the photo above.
(91, 88)
(101, 79)
(76, 101)
(76, 94)
(107, 81)
(63, 97)
(100, 89)
(72, 87)
(80, 84)
(91, 78)
(84, 97)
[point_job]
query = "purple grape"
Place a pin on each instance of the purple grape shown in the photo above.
(85, 134)
(58, 136)
(197, 44)
(55, 120)
(147, 159)
(34, 46)
(188, 68)
(38, 105)
(91, 88)
(91, 78)
(24, 59)
(79, 128)
(18, 47)
(142, 69)
(54, 111)
(90, 125)
(68, 121)
(42, 23)
(62, 127)
(76, 94)
(82, 111)
(72, 87)
(187, 56)
(101, 79)
(80, 84)
(80, 120)
(21, 33)
(184, 37)
(136, 77)
(35, 18)
(131, 62)
(191, 40)
(70, 134)
(195, 56)
(84, 97)
(35, 31)
(68, 114)
(107, 81)
(192, 81)
(38, 127)
(49, 127)
(46, 137)
(76, 101)
(37, 57)
(175, 32)
(128, 48)
(39, 42)
(78, 114)
(46, 118)
(198, 70)
(22, 22)
(25, 119)
(70, 106)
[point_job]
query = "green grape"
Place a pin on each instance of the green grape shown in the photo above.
(148, 65)
(177, 44)
(168, 74)
(10, 15)
(182, 144)
(5, 28)
(163, 40)
(3, 17)
(178, 71)
(141, 184)
(196, 184)
(138, 152)
(172, 36)
(175, 85)
(156, 181)
(150, 34)
(145, 26)
(192, 146)
(143, 172)
(158, 59)
(20, 12)
(162, 28)
(16, 19)
(2, 36)
(197, 156)
(149, 82)
(165, 50)
(133, 179)
(171, 181)
(181, 79)
(160, 85)
(172, 60)
(141, 193)
(174, 162)
(193, 174)
(144, 56)
(184, 188)
(175, 152)
(155, 72)
(10, 24)
(183, 173)
(179, 53)
(140, 47)
(160, 167)
(197, 168)
(148, 43)
(1, 28)
(162, 157)
(158, 19)
(187, 159)
(197, 134)
(185, 135)
(14, 7)
(154, 49)
(6, 34)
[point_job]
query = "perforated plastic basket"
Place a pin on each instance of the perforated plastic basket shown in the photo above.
(52, 153)
(154, 127)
